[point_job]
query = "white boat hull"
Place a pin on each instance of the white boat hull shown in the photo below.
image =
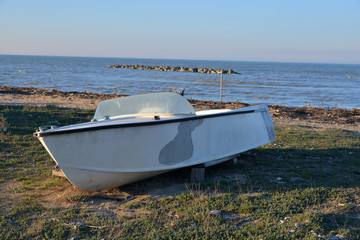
(103, 158)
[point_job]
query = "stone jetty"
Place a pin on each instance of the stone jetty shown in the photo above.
(176, 69)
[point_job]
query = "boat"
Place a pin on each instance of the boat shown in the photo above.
(137, 137)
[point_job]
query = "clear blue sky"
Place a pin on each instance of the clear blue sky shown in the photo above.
(245, 30)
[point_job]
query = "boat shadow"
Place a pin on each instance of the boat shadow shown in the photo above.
(262, 170)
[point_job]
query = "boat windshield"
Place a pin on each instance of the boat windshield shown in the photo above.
(157, 103)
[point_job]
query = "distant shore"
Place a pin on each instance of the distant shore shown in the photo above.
(84, 100)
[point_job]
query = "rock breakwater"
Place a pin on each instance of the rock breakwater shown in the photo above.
(176, 69)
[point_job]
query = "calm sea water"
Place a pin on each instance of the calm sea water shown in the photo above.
(290, 84)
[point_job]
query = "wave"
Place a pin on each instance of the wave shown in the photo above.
(33, 83)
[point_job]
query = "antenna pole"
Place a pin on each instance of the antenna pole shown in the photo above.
(221, 85)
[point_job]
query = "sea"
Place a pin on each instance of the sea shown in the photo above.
(288, 84)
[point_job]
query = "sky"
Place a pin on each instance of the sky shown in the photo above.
(324, 31)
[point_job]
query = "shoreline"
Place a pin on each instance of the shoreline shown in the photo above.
(83, 100)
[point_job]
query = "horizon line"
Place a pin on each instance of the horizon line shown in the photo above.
(184, 59)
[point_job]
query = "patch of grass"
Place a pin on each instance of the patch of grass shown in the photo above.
(22, 156)
(52, 182)
(77, 198)
(27, 180)
(304, 157)
(269, 215)
(304, 186)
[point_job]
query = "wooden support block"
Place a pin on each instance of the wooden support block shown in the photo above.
(58, 173)
(197, 174)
